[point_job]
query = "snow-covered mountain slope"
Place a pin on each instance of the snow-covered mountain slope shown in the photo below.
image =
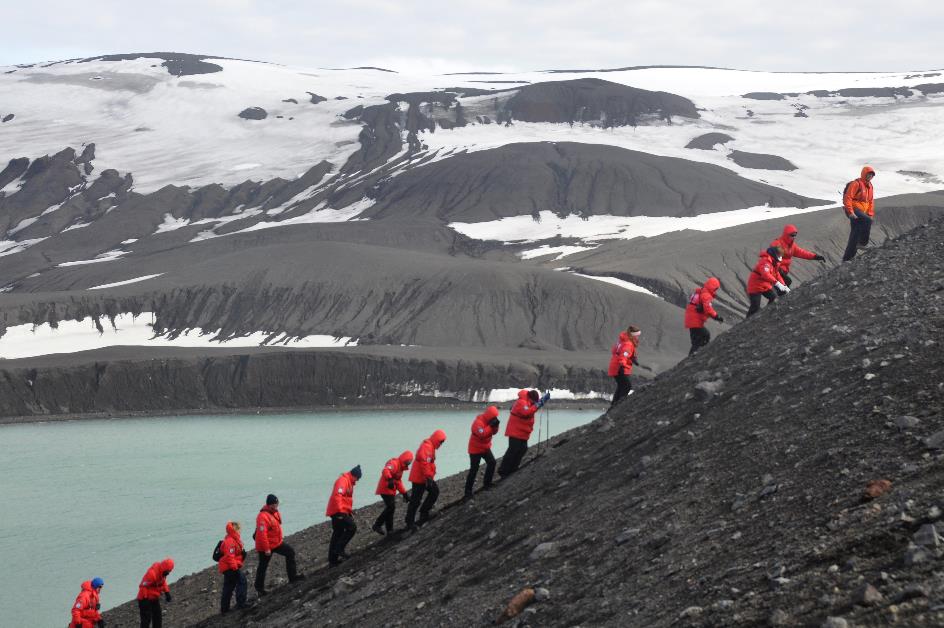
(266, 201)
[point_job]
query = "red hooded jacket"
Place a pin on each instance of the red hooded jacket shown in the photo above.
(154, 582)
(393, 472)
(480, 440)
(701, 296)
(790, 249)
(341, 501)
(860, 195)
(84, 611)
(424, 467)
(232, 548)
(268, 529)
(622, 355)
(764, 275)
(521, 421)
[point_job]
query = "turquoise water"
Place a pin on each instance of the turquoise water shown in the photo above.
(109, 497)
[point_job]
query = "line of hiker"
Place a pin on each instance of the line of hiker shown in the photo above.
(230, 553)
(769, 279)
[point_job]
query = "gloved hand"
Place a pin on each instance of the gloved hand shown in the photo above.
(494, 422)
(635, 360)
(819, 258)
(719, 318)
(546, 397)
(98, 607)
(852, 216)
(858, 213)
(430, 484)
(391, 484)
(244, 554)
(781, 287)
(167, 596)
(406, 497)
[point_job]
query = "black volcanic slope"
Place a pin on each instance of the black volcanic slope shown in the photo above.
(566, 178)
(729, 492)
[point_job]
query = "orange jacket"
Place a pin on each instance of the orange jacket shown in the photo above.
(859, 195)
(232, 548)
(268, 529)
(480, 440)
(790, 249)
(764, 275)
(521, 421)
(154, 582)
(84, 611)
(424, 467)
(701, 297)
(341, 501)
(621, 356)
(392, 473)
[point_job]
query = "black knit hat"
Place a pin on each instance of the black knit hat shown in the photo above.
(356, 472)
(271, 500)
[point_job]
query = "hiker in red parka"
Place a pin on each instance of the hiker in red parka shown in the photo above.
(698, 311)
(423, 478)
(232, 557)
(484, 427)
(787, 244)
(85, 609)
(389, 485)
(519, 428)
(858, 201)
(622, 359)
(341, 510)
(153, 585)
(764, 280)
(269, 540)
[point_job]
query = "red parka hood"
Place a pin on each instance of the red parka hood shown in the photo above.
(168, 564)
(87, 585)
(491, 412)
(232, 531)
(785, 236)
(712, 285)
(624, 337)
(406, 458)
(866, 170)
(438, 438)
(523, 394)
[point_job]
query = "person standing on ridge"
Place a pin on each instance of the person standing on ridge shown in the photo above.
(622, 359)
(341, 510)
(765, 280)
(423, 477)
(389, 485)
(232, 557)
(484, 427)
(269, 540)
(85, 610)
(698, 311)
(787, 244)
(858, 201)
(153, 585)
(519, 428)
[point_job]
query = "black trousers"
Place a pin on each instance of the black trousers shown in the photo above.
(150, 613)
(517, 448)
(416, 498)
(343, 530)
(284, 550)
(770, 295)
(233, 580)
(386, 517)
(623, 386)
(474, 461)
(859, 231)
(700, 337)
(787, 281)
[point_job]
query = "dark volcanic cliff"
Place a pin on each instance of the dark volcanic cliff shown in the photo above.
(728, 492)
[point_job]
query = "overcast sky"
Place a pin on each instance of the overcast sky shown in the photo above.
(407, 35)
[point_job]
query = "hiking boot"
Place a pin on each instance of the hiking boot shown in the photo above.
(298, 577)
(249, 604)
(344, 555)
(378, 529)
(262, 592)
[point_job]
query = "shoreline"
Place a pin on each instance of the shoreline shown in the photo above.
(430, 406)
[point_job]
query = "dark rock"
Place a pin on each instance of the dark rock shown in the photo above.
(253, 113)
(177, 63)
(876, 488)
(704, 391)
(906, 422)
(708, 141)
(927, 536)
(544, 550)
(930, 88)
(763, 96)
(315, 98)
(867, 595)
(8, 117)
(935, 441)
(760, 161)
(291, 100)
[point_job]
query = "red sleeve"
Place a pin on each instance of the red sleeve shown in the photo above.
(400, 488)
(494, 429)
(262, 534)
(425, 461)
(387, 473)
(706, 300)
(767, 272)
(802, 253)
(524, 409)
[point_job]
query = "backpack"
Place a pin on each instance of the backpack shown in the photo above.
(218, 552)
(845, 190)
(695, 300)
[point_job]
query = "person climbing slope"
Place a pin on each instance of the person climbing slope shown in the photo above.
(153, 585)
(389, 485)
(85, 609)
(341, 510)
(765, 280)
(858, 201)
(269, 540)
(790, 249)
(698, 311)
(232, 557)
(519, 428)
(622, 359)
(484, 427)
(423, 478)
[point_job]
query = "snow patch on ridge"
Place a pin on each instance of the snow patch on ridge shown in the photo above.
(107, 256)
(26, 341)
(626, 285)
(125, 282)
(501, 395)
(561, 251)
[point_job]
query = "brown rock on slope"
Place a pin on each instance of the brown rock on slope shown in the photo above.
(737, 510)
